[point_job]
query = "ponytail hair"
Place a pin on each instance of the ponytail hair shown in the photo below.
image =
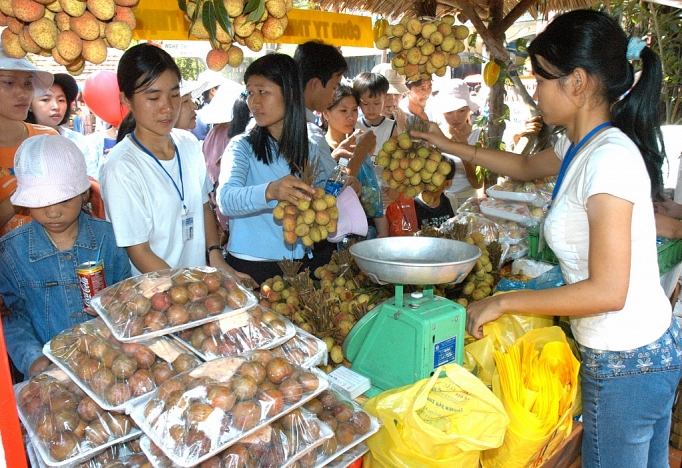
(595, 42)
(637, 114)
(127, 126)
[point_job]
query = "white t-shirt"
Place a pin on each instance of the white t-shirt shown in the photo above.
(382, 131)
(610, 163)
(460, 181)
(143, 205)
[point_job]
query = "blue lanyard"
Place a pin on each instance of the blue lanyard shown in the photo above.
(570, 154)
(181, 190)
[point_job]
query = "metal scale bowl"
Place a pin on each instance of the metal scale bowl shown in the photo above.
(408, 336)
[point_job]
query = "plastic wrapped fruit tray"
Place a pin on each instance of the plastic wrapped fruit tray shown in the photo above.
(350, 423)
(114, 374)
(513, 211)
(295, 436)
(349, 457)
(533, 197)
(168, 301)
(304, 349)
(124, 455)
(65, 426)
(198, 414)
(258, 328)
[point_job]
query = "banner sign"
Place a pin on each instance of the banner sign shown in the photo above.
(163, 20)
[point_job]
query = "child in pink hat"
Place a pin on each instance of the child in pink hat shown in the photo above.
(38, 261)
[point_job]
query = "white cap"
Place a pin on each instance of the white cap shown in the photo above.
(456, 97)
(208, 79)
(187, 87)
(49, 169)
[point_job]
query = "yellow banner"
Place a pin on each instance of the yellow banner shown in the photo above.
(331, 28)
(163, 20)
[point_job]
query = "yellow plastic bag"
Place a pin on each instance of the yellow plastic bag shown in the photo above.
(441, 422)
(537, 382)
(498, 334)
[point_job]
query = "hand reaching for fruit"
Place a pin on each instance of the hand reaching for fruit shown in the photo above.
(290, 189)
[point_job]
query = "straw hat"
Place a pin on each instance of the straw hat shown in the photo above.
(49, 169)
(396, 83)
(42, 80)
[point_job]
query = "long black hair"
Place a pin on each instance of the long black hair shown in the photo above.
(293, 144)
(595, 42)
(240, 116)
(138, 68)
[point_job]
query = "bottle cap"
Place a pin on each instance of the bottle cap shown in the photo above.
(343, 161)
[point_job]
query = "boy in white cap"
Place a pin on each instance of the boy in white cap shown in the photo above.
(38, 261)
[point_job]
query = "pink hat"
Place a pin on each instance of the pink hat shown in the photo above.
(352, 218)
(49, 169)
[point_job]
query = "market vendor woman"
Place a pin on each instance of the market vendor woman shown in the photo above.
(262, 167)
(601, 228)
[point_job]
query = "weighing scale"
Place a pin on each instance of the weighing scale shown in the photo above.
(407, 337)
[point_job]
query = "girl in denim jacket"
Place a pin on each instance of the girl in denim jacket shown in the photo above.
(38, 261)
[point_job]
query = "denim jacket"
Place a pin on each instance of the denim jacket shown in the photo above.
(40, 286)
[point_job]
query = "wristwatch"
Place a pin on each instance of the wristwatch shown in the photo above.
(213, 247)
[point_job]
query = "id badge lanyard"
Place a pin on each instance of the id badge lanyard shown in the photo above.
(187, 222)
(568, 158)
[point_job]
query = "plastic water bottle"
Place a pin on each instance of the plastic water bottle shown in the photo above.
(337, 179)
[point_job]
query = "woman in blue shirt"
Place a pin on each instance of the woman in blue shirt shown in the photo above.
(38, 261)
(262, 167)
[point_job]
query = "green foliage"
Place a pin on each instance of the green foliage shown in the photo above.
(663, 26)
(190, 67)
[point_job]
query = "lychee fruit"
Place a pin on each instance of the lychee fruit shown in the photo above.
(118, 34)
(235, 56)
(44, 32)
(86, 26)
(74, 8)
(216, 59)
(28, 44)
(95, 51)
(102, 9)
(276, 8)
(234, 7)
(254, 41)
(10, 42)
(126, 15)
(273, 28)
(242, 27)
(28, 10)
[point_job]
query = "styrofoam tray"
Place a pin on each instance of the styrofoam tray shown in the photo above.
(329, 461)
(137, 414)
(40, 448)
(290, 332)
(123, 408)
(490, 209)
(531, 198)
(123, 455)
(164, 462)
(319, 358)
(349, 457)
(116, 331)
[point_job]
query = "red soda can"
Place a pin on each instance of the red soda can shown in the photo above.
(91, 280)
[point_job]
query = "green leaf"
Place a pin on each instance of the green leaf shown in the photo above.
(208, 17)
(194, 17)
(521, 44)
(222, 16)
(472, 39)
(252, 5)
(257, 13)
(182, 5)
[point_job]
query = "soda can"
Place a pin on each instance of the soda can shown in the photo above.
(91, 280)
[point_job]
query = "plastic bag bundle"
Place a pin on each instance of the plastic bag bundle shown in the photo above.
(537, 382)
(444, 421)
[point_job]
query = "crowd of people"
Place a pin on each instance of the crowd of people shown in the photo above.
(169, 202)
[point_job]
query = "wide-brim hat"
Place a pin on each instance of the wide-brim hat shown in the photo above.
(68, 85)
(396, 82)
(219, 110)
(42, 80)
(208, 79)
(352, 218)
(49, 169)
(188, 86)
(456, 97)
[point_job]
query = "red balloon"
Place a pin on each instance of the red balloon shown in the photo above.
(100, 93)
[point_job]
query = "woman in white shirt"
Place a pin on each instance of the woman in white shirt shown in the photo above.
(601, 227)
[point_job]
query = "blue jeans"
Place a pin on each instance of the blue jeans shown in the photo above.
(627, 403)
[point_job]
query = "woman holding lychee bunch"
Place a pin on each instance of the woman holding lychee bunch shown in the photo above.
(154, 182)
(262, 167)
